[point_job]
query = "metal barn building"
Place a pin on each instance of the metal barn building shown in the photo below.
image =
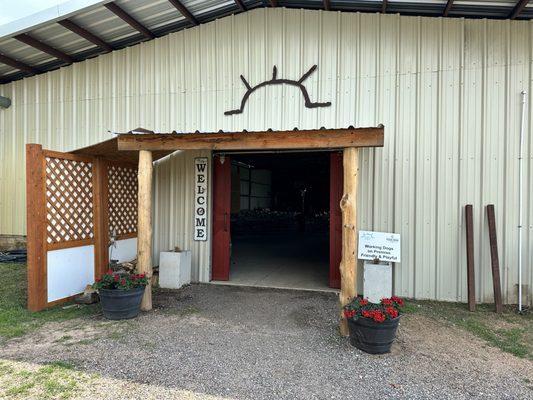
(444, 78)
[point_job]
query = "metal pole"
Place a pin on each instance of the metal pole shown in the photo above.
(520, 172)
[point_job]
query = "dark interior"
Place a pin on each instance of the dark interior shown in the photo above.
(280, 219)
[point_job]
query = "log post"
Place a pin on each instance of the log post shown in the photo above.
(36, 226)
(348, 266)
(144, 224)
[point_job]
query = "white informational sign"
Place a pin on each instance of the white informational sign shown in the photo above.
(380, 245)
(200, 199)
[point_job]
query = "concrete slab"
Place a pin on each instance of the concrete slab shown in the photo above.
(281, 260)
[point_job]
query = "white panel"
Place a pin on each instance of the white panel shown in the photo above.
(68, 271)
(125, 250)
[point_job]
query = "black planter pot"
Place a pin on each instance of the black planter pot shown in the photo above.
(373, 337)
(121, 304)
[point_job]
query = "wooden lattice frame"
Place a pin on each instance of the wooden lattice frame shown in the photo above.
(122, 200)
(69, 200)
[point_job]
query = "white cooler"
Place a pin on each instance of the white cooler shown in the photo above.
(174, 269)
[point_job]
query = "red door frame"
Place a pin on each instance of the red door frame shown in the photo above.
(221, 218)
(335, 218)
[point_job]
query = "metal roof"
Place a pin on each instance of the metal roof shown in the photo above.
(81, 29)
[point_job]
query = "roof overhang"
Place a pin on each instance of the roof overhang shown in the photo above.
(81, 29)
(108, 150)
(265, 140)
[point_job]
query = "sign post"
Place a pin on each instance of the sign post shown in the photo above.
(380, 250)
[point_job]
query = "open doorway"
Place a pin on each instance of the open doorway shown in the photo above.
(280, 220)
(273, 224)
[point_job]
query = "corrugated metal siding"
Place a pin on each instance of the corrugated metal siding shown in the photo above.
(447, 90)
(174, 204)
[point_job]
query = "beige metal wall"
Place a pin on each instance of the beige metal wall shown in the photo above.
(447, 91)
(174, 205)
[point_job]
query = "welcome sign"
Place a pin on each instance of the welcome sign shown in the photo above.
(200, 198)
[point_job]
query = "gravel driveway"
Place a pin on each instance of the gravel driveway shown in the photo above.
(226, 342)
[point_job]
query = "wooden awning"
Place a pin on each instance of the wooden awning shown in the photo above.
(142, 139)
(108, 149)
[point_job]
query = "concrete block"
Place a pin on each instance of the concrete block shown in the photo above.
(174, 269)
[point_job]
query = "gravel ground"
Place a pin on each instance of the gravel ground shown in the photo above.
(226, 342)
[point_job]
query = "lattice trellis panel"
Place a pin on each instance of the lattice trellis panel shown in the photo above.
(69, 200)
(122, 199)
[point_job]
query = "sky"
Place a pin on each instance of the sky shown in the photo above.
(10, 10)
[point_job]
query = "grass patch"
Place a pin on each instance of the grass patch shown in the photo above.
(57, 380)
(508, 331)
(15, 319)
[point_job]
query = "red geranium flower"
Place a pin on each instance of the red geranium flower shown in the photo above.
(123, 281)
(349, 313)
(116, 278)
(363, 302)
(109, 271)
(397, 300)
(379, 316)
(387, 302)
(392, 312)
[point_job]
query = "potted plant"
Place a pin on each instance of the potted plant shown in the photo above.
(373, 326)
(121, 294)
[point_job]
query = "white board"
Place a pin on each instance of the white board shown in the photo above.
(69, 271)
(124, 250)
(381, 245)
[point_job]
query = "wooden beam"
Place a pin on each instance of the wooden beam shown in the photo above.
(31, 41)
(84, 33)
(470, 278)
(100, 206)
(283, 140)
(144, 224)
(348, 266)
(494, 258)
(123, 15)
(327, 5)
(449, 5)
(241, 5)
(518, 8)
(36, 227)
(384, 7)
(183, 10)
(17, 64)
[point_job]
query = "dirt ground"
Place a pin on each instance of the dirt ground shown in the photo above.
(223, 342)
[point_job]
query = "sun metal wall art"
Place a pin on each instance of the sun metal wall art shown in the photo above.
(276, 81)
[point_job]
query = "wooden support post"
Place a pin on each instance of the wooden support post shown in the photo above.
(348, 267)
(470, 258)
(36, 226)
(495, 260)
(100, 234)
(144, 224)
